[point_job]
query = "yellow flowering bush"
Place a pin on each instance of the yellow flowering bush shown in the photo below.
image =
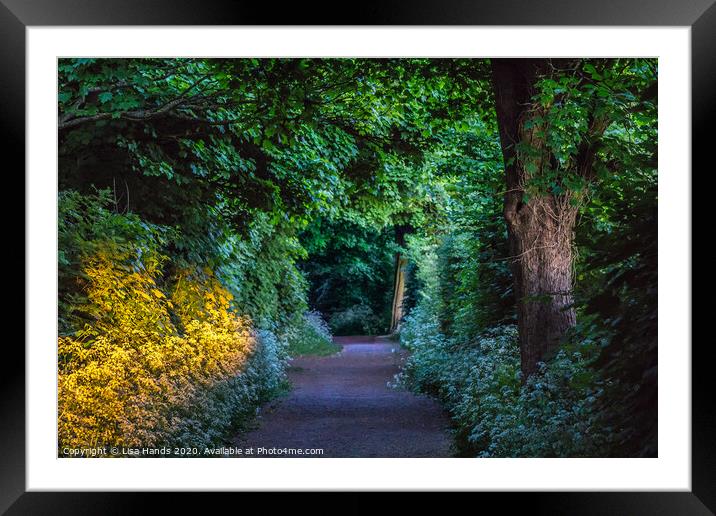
(159, 361)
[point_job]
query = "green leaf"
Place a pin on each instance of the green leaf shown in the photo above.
(105, 97)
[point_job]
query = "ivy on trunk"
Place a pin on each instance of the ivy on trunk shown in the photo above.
(541, 201)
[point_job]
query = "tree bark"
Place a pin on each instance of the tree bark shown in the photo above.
(541, 247)
(540, 229)
(398, 293)
(399, 278)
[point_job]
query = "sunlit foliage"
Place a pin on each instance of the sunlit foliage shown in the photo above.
(154, 369)
(157, 358)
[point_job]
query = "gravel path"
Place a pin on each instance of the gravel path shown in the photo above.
(343, 405)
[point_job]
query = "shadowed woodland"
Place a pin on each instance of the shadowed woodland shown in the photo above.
(497, 219)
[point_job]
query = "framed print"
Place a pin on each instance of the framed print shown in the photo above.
(444, 248)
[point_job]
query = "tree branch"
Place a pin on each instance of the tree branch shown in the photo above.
(138, 114)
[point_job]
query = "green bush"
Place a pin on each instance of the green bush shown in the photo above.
(357, 320)
(155, 350)
(312, 337)
(476, 374)
(553, 415)
(350, 272)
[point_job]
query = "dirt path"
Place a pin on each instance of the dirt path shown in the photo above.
(342, 404)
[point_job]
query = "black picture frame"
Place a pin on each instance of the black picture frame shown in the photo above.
(17, 15)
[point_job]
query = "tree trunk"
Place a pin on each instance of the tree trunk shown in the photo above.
(541, 247)
(540, 229)
(399, 279)
(398, 293)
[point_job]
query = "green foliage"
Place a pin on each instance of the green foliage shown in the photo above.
(150, 354)
(617, 273)
(619, 309)
(358, 319)
(350, 270)
(478, 378)
(584, 104)
(287, 136)
(313, 337)
(115, 281)
(86, 225)
(284, 184)
(461, 254)
(261, 272)
(554, 414)
(596, 396)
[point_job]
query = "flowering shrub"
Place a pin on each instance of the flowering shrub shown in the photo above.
(474, 369)
(314, 320)
(553, 415)
(158, 367)
(311, 336)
